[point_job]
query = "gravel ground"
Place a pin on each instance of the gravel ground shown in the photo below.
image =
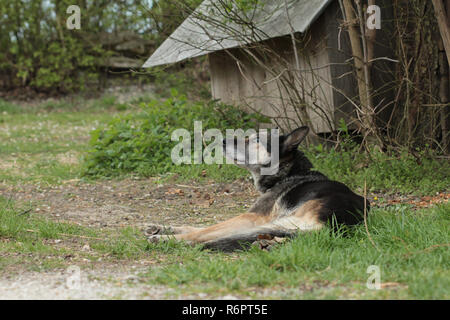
(93, 284)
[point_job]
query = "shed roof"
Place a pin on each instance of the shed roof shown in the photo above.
(196, 37)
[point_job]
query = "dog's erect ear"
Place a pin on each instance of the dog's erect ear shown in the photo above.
(294, 138)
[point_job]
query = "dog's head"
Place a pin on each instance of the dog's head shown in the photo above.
(257, 150)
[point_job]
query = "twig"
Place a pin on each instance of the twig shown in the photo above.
(24, 212)
(436, 105)
(276, 78)
(405, 245)
(435, 246)
(383, 58)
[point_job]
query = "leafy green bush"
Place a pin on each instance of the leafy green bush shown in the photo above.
(38, 50)
(141, 142)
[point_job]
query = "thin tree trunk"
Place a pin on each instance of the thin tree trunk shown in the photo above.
(444, 25)
(356, 50)
(371, 36)
(444, 89)
(444, 96)
(359, 52)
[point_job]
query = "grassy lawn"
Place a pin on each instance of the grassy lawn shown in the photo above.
(45, 143)
(44, 146)
(410, 247)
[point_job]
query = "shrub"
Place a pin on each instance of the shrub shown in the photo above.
(38, 51)
(141, 142)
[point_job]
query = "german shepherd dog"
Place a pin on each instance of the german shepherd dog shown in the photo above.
(294, 199)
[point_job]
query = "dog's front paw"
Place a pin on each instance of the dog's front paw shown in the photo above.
(155, 238)
(153, 229)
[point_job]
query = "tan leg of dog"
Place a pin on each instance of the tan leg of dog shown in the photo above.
(245, 228)
(220, 230)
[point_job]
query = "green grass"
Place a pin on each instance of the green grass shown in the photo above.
(23, 239)
(395, 173)
(203, 173)
(43, 144)
(24, 236)
(27, 234)
(17, 223)
(411, 250)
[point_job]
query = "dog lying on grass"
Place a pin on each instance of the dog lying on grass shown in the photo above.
(294, 199)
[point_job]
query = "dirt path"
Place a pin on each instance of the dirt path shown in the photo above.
(115, 282)
(140, 202)
(113, 205)
(136, 202)
(119, 283)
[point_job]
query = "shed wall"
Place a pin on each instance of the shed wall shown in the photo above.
(328, 80)
(251, 86)
(328, 84)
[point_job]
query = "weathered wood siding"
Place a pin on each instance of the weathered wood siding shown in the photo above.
(254, 88)
(329, 81)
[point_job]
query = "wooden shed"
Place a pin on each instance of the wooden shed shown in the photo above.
(323, 61)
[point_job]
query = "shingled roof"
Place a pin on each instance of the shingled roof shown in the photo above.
(196, 37)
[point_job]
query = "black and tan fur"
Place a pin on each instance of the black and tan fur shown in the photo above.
(295, 199)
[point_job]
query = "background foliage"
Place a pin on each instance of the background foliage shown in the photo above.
(39, 52)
